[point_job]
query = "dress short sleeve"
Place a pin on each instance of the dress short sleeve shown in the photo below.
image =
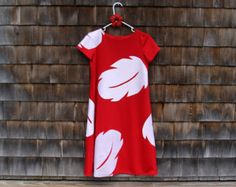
(150, 47)
(90, 42)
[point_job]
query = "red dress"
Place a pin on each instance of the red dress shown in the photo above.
(119, 132)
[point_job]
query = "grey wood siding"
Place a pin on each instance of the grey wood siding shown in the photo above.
(44, 86)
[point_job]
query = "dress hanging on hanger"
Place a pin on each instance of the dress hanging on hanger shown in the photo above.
(119, 129)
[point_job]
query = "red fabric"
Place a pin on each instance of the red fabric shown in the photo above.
(125, 114)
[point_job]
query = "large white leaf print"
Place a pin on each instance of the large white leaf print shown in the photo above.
(107, 147)
(92, 39)
(90, 118)
(126, 76)
(147, 130)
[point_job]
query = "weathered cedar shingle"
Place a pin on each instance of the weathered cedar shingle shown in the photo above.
(160, 3)
(42, 130)
(193, 112)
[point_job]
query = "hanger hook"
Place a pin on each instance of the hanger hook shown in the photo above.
(113, 7)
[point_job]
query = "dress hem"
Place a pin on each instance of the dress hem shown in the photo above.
(132, 174)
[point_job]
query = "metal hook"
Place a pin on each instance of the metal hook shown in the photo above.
(113, 7)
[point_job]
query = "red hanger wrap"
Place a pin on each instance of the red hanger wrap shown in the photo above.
(116, 20)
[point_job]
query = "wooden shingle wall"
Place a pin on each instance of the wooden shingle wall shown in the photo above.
(44, 85)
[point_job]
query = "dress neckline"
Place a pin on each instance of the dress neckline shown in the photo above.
(120, 37)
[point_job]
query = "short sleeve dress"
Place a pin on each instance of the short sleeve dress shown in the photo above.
(119, 129)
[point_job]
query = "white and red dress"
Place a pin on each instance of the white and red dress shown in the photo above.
(119, 132)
